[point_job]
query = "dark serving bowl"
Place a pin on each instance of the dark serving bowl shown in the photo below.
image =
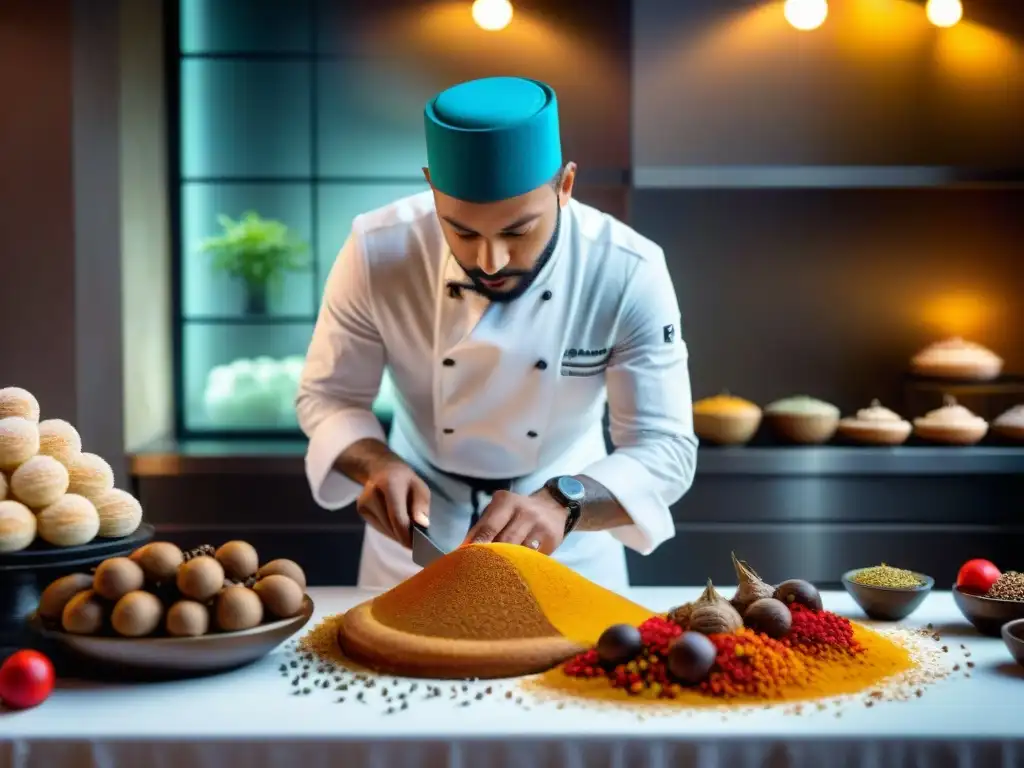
(1013, 636)
(987, 614)
(887, 603)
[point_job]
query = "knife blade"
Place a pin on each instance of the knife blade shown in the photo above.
(424, 550)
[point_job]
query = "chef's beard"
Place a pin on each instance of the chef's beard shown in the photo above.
(524, 277)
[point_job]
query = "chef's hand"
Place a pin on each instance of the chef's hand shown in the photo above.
(536, 521)
(392, 496)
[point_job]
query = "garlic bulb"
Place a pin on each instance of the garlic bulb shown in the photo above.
(752, 588)
(713, 614)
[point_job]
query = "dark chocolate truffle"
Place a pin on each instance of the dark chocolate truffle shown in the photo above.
(691, 657)
(799, 591)
(769, 616)
(619, 644)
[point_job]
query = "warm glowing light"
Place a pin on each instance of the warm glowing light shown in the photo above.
(492, 15)
(806, 14)
(944, 13)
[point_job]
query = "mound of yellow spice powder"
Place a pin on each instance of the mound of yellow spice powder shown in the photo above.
(502, 591)
(484, 610)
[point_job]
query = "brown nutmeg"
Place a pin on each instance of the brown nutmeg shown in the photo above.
(159, 560)
(200, 578)
(116, 577)
(281, 596)
(238, 608)
(751, 587)
(56, 596)
(285, 567)
(713, 614)
(84, 614)
(187, 618)
(239, 560)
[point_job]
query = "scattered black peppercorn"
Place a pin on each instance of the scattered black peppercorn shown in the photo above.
(619, 644)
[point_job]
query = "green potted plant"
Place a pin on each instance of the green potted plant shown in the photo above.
(258, 252)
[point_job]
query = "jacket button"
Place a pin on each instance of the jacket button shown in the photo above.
(546, 295)
(531, 433)
(448, 430)
(541, 365)
(448, 362)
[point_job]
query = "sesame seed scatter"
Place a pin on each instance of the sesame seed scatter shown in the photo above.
(314, 663)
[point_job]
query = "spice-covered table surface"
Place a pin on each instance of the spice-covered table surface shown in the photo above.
(256, 717)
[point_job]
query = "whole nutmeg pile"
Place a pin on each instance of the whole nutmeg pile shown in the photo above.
(51, 491)
(161, 590)
(757, 605)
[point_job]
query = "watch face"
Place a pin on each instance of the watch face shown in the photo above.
(571, 488)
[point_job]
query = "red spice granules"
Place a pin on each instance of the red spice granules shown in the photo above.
(820, 632)
(747, 664)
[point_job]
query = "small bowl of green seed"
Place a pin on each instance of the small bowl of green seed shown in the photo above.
(885, 593)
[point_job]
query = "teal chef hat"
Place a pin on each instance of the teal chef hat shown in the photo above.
(492, 139)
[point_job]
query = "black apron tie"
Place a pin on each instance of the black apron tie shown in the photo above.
(478, 487)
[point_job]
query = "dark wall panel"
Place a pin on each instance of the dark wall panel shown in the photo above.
(731, 82)
(830, 292)
(402, 54)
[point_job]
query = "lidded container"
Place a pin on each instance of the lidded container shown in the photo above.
(875, 425)
(957, 358)
(951, 424)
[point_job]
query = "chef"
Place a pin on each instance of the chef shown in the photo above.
(507, 315)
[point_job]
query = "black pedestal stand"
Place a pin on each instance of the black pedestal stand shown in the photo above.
(24, 575)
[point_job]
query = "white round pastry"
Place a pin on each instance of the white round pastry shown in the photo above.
(59, 439)
(39, 482)
(91, 476)
(71, 521)
(19, 442)
(15, 401)
(120, 513)
(17, 526)
(952, 424)
(876, 425)
(957, 358)
(1008, 424)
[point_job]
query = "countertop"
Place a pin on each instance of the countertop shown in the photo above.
(252, 717)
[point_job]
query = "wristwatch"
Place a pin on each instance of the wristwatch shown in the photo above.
(570, 493)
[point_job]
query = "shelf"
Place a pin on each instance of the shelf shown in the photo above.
(836, 460)
(286, 456)
(822, 176)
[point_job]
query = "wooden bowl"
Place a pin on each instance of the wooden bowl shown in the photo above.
(217, 651)
(987, 614)
(805, 429)
(867, 433)
(1013, 638)
(727, 428)
(887, 603)
(966, 434)
(1013, 432)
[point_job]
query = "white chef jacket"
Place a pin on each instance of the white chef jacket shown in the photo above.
(504, 390)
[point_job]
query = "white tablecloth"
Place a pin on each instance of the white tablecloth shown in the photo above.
(251, 718)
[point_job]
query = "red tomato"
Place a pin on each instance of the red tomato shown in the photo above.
(977, 575)
(26, 679)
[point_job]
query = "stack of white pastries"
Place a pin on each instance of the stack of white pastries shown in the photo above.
(49, 487)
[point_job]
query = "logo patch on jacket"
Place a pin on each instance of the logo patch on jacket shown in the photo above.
(669, 332)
